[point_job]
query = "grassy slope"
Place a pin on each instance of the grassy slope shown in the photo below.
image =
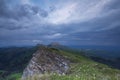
(81, 68)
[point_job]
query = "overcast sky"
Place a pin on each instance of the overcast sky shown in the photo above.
(69, 22)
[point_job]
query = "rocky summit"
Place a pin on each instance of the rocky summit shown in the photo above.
(46, 60)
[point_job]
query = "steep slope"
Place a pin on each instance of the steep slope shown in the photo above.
(10, 58)
(47, 61)
(13, 61)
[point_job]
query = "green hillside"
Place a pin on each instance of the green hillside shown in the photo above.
(81, 68)
(13, 60)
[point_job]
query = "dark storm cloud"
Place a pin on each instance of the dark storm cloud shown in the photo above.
(105, 37)
(28, 11)
(15, 17)
(3, 8)
(29, 23)
(20, 10)
(115, 4)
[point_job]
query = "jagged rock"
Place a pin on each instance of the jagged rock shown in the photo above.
(46, 60)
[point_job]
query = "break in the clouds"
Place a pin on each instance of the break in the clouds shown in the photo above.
(71, 22)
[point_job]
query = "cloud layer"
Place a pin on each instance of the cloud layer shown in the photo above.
(80, 22)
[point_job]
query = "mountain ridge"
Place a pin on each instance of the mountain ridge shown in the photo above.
(78, 65)
(46, 60)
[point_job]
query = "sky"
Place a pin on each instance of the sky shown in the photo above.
(69, 22)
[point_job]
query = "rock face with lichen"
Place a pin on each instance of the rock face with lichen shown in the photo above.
(46, 60)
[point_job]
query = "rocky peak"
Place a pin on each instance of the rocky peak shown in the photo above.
(54, 44)
(46, 60)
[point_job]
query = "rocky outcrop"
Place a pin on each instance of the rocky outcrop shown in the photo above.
(46, 60)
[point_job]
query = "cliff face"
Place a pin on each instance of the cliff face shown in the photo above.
(46, 60)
